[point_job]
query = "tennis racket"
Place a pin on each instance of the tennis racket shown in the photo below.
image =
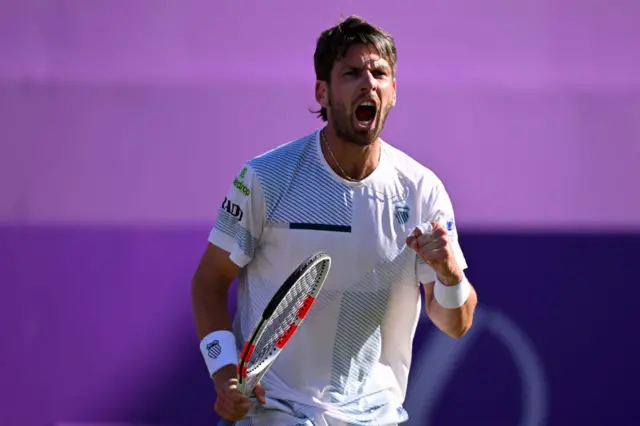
(280, 320)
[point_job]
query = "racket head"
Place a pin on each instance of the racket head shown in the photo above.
(280, 320)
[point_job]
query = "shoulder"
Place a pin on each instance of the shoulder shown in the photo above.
(281, 158)
(420, 176)
(431, 193)
(273, 170)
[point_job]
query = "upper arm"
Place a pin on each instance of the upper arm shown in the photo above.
(241, 215)
(237, 231)
(215, 271)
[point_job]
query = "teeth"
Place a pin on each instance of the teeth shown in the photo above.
(367, 104)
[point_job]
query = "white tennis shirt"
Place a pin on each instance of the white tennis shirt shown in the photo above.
(349, 362)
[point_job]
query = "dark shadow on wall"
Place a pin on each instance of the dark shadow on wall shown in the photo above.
(120, 299)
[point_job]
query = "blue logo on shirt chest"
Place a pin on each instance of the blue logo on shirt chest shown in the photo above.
(402, 214)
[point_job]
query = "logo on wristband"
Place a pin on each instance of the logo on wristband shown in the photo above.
(214, 349)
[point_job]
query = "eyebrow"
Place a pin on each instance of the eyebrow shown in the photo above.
(378, 64)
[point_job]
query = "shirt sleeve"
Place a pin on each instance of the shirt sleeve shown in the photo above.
(240, 222)
(439, 208)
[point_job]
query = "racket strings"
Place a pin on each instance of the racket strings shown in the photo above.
(285, 314)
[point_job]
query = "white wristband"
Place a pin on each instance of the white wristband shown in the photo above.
(452, 296)
(219, 350)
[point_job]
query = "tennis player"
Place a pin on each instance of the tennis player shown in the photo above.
(386, 221)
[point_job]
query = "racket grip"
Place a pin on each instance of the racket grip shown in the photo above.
(248, 386)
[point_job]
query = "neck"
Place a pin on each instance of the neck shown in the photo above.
(356, 161)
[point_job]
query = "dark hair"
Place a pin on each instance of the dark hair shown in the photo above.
(334, 43)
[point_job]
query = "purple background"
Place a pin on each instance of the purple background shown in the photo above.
(123, 122)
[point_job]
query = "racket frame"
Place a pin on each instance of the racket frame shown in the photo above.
(246, 383)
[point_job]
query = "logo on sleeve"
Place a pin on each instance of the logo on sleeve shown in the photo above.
(450, 225)
(241, 186)
(451, 229)
(243, 172)
(232, 208)
(239, 182)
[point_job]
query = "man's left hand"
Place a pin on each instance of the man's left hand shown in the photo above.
(434, 248)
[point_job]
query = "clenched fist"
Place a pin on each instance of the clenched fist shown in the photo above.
(434, 248)
(230, 404)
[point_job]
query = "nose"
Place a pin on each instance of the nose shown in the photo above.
(369, 82)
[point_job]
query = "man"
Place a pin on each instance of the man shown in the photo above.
(386, 221)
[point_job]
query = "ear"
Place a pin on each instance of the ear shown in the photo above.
(393, 102)
(322, 93)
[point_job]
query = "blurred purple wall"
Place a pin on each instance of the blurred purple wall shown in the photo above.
(118, 111)
(122, 123)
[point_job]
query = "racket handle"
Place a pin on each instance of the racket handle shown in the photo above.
(247, 387)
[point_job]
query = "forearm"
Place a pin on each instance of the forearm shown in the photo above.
(454, 322)
(210, 308)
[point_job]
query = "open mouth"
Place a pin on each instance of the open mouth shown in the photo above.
(366, 113)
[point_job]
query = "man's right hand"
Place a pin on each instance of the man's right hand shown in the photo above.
(230, 404)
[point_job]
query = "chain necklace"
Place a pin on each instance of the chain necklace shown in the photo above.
(346, 176)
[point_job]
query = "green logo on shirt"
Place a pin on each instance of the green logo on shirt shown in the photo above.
(242, 173)
(241, 186)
